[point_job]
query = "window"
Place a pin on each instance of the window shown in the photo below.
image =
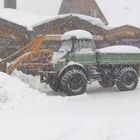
(84, 44)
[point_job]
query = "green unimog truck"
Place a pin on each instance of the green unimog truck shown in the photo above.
(78, 63)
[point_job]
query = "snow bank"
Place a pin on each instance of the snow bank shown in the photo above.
(79, 34)
(32, 81)
(119, 49)
(15, 90)
(102, 114)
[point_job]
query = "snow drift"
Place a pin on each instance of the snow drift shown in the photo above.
(15, 90)
(12, 88)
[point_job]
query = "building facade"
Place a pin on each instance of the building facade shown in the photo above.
(13, 35)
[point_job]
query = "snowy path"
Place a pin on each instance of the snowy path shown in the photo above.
(101, 114)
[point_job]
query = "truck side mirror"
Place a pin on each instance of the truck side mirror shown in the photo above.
(73, 39)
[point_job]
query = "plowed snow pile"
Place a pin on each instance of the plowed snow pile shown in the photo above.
(13, 89)
(19, 89)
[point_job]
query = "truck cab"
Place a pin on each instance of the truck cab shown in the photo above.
(75, 48)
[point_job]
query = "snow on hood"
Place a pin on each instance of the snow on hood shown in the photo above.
(119, 49)
(57, 56)
(79, 34)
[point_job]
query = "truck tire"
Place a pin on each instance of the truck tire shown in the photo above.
(74, 82)
(127, 79)
(53, 82)
(106, 83)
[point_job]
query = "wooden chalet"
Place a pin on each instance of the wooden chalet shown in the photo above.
(12, 36)
(123, 35)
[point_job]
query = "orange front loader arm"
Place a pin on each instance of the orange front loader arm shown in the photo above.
(34, 46)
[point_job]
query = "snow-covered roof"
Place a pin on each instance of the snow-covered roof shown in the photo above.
(30, 20)
(121, 12)
(119, 49)
(21, 18)
(91, 20)
(79, 34)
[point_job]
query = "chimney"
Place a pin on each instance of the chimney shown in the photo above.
(10, 4)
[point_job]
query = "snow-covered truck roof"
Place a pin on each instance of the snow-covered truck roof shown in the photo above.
(79, 34)
(30, 20)
(119, 49)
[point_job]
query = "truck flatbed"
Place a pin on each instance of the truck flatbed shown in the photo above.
(119, 55)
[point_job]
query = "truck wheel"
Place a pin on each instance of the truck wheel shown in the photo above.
(74, 82)
(127, 79)
(53, 83)
(106, 83)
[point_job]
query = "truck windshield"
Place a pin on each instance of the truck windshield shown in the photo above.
(66, 46)
(78, 45)
(84, 44)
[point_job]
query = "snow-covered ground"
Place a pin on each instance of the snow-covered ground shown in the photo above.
(32, 111)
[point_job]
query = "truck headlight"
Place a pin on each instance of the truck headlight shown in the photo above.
(61, 61)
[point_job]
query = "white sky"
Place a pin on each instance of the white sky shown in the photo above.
(47, 7)
(1, 3)
(120, 12)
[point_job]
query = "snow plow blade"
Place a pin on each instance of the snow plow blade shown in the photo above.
(33, 50)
